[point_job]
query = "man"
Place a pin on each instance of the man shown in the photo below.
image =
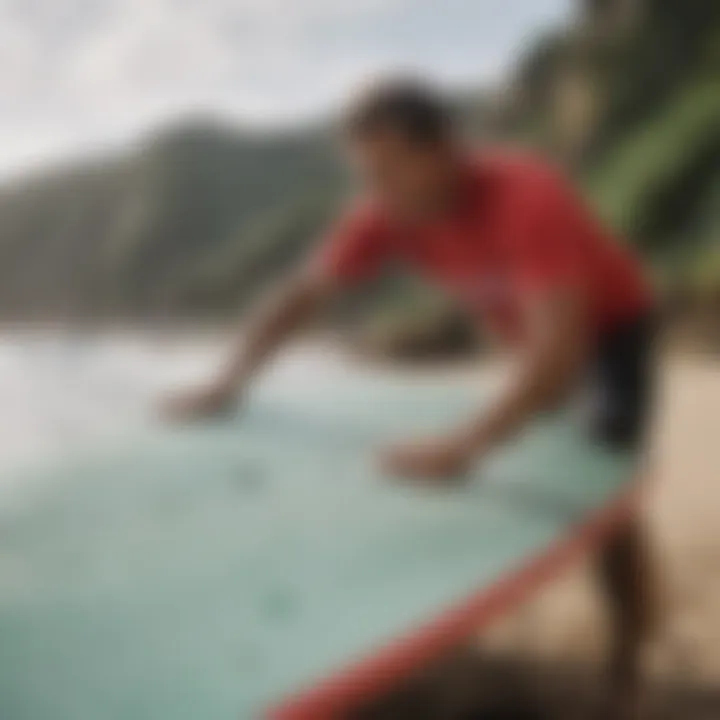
(511, 241)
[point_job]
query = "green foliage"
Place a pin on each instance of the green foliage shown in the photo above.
(639, 178)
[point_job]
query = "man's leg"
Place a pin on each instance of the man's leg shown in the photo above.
(624, 384)
(627, 577)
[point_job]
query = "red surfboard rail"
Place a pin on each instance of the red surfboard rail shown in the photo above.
(369, 678)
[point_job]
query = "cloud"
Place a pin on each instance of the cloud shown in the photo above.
(79, 72)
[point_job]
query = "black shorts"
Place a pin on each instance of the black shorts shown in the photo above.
(621, 384)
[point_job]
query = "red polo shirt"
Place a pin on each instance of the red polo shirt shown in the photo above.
(516, 230)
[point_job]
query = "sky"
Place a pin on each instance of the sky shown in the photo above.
(77, 76)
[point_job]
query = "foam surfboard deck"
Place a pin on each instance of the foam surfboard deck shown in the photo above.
(265, 567)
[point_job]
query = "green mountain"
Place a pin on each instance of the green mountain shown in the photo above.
(188, 224)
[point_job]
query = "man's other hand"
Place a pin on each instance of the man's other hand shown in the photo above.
(444, 457)
(209, 402)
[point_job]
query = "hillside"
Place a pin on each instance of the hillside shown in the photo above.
(636, 93)
(189, 223)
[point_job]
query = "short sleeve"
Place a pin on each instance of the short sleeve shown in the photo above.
(549, 248)
(355, 248)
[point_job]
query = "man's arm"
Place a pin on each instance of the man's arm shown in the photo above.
(289, 307)
(352, 251)
(547, 371)
(557, 348)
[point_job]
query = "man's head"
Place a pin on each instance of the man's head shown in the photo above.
(401, 139)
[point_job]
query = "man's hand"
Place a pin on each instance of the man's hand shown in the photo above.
(443, 457)
(204, 403)
(288, 307)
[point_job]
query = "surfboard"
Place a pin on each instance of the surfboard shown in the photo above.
(264, 566)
